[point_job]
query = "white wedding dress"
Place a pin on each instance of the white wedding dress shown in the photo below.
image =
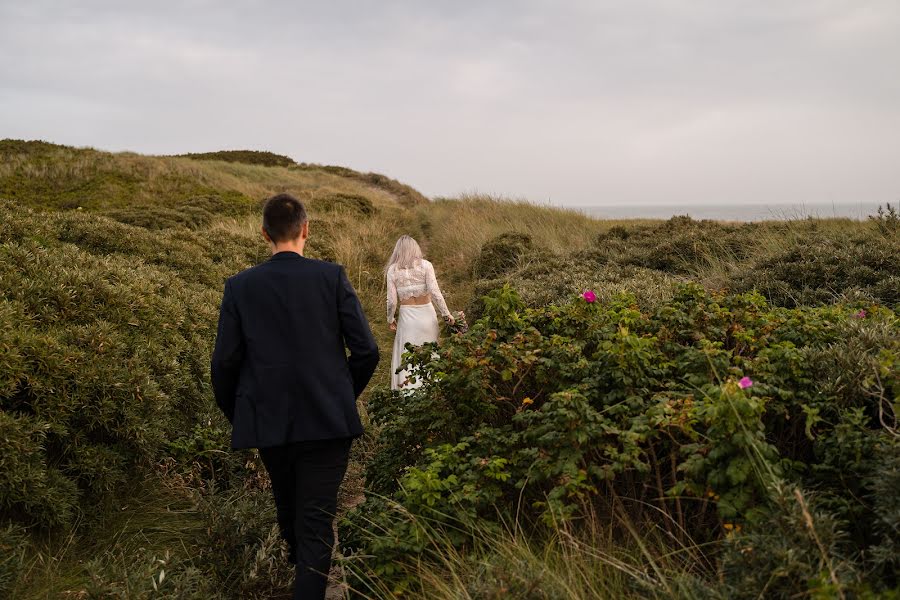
(416, 324)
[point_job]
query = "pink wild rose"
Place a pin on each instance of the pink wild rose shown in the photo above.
(589, 296)
(745, 382)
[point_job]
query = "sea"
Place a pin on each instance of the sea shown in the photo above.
(733, 212)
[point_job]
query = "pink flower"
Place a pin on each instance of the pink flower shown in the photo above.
(745, 382)
(589, 296)
(861, 314)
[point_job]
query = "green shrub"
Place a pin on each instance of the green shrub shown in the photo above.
(820, 266)
(32, 490)
(795, 550)
(13, 543)
(161, 218)
(502, 254)
(536, 413)
(103, 357)
(352, 203)
(680, 245)
(242, 549)
(882, 487)
(545, 280)
(791, 263)
(206, 451)
(194, 214)
(250, 157)
(9, 147)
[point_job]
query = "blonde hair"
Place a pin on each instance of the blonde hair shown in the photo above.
(406, 253)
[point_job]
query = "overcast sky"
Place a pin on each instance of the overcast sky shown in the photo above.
(575, 102)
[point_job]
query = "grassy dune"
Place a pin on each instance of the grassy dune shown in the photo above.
(115, 478)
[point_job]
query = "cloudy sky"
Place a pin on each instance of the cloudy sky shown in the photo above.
(572, 102)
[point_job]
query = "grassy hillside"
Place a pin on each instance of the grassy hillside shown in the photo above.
(116, 480)
(60, 177)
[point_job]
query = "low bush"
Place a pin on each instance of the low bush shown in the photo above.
(502, 255)
(162, 218)
(686, 418)
(342, 202)
(195, 213)
(553, 279)
(105, 334)
(820, 266)
(13, 545)
(680, 245)
(249, 157)
(243, 550)
(36, 148)
(791, 264)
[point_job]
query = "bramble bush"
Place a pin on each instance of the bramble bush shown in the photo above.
(689, 417)
(552, 278)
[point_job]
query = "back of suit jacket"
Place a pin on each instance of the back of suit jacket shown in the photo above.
(280, 370)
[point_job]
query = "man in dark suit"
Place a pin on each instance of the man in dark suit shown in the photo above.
(282, 376)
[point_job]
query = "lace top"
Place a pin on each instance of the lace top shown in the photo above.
(418, 280)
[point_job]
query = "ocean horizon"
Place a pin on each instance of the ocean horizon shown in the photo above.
(731, 212)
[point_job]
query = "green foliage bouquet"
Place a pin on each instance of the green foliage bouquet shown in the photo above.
(459, 324)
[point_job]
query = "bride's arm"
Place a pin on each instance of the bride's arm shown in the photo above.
(391, 295)
(435, 291)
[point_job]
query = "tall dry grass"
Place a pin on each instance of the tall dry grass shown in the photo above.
(455, 229)
(586, 560)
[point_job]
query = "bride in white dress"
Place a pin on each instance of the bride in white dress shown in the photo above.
(412, 288)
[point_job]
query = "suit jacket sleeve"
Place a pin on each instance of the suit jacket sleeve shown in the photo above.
(356, 333)
(227, 355)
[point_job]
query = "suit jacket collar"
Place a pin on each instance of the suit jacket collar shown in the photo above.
(286, 255)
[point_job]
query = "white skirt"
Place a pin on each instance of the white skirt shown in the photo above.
(417, 324)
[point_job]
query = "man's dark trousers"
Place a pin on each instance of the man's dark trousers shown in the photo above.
(305, 480)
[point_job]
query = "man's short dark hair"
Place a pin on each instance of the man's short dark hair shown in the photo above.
(283, 216)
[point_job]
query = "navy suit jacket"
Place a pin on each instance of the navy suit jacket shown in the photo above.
(280, 371)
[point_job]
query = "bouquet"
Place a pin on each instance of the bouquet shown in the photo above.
(459, 324)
